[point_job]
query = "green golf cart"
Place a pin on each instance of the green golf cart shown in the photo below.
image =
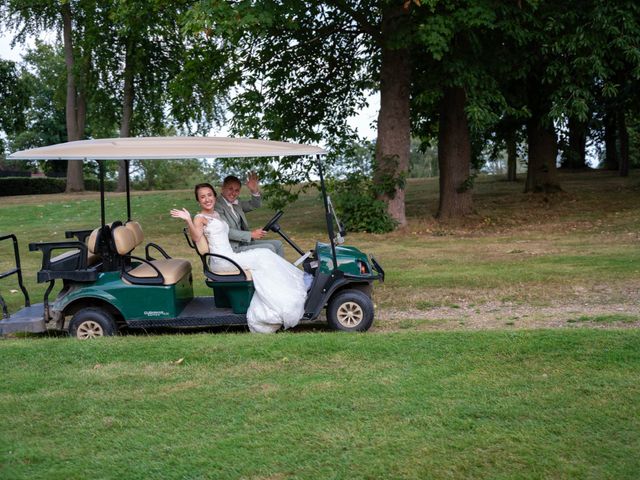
(105, 285)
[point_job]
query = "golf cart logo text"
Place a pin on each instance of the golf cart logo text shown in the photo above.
(155, 313)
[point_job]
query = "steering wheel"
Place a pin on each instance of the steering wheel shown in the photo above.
(274, 220)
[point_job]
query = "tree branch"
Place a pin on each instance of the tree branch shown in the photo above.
(359, 18)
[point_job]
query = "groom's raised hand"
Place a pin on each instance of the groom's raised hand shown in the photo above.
(252, 183)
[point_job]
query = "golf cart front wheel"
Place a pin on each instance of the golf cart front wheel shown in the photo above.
(92, 323)
(350, 311)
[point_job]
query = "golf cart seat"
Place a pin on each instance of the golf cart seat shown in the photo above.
(231, 288)
(217, 274)
(167, 271)
(92, 255)
(80, 262)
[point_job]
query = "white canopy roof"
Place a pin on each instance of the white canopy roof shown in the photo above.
(140, 148)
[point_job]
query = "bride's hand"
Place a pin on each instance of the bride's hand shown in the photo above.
(183, 214)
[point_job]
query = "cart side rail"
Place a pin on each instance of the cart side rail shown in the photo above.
(17, 270)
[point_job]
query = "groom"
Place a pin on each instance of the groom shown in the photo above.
(232, 211)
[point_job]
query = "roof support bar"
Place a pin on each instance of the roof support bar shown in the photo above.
(101, 175)
(328, 215)
(126, 167)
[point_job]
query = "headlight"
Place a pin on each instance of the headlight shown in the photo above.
(364, 268)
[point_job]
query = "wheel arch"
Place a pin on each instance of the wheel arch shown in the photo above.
(364, 287)
(92, 302)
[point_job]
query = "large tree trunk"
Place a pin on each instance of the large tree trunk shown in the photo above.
(624, 144)
(454, 156)
(127, 110)
(512, 158)
(575, 155)
(543, 150)
(611, 153)
(75, 180)
(394, 128)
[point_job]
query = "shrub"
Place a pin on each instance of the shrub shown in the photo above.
(357, 206)
(31, 186)
(41, 185)
(93, 185)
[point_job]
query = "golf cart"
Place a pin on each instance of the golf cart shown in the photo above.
(105, 286)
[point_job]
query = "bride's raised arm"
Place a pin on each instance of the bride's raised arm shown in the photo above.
(196, 227)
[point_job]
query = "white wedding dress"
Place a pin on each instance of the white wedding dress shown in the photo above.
(280, 291)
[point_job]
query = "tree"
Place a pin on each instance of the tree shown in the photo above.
(454, 156)
(36, 115)
(187, 84)
(308, 67)
(30, 17)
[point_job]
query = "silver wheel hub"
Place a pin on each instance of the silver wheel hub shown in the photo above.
(350, 314)
(90, 329)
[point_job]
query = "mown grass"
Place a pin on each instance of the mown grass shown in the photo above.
(537, 404)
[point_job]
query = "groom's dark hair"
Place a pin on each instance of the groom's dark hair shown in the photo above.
(231, 179)
(204, 185)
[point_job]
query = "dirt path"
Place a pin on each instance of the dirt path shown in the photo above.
(500, 316)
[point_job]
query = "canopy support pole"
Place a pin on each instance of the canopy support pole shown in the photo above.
(328, 215)
(101, 175)
(126, 162)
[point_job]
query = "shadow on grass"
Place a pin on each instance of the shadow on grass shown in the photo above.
(161, 331)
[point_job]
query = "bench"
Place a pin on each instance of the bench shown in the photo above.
(231, 289)
(80, 261)
(147, 271)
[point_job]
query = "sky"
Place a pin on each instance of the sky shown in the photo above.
(5, 48)
(362, 122)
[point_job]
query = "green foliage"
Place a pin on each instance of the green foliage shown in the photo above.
(31, 186)
(14, 98)
(37, 98)
(423, 160)
(163, 175)
(468, 183)
(358, 208)
(93, 185)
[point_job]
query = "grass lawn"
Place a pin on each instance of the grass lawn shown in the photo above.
(465, 373)
(528, 404)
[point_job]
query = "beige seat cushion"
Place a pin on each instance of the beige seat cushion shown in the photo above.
(124, 240)
(172, 269)
(234, 272)
(136, 229)
(92, 257)
(92, 241)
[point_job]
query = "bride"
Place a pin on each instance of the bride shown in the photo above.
(279, 286)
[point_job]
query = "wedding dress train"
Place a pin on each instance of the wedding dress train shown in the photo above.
(280, 290)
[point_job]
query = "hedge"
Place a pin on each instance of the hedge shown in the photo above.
(40, 185)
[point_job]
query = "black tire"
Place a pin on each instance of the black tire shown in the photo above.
(350, 311)
(92, 323)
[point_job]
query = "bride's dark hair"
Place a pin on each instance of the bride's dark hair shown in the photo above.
(204, 185)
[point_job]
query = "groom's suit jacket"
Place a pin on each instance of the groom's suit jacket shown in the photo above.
(239, 232)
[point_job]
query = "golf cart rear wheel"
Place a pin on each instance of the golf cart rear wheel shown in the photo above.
(92, 323)
(350, 311)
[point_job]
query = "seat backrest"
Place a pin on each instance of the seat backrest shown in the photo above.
(92, 241)
(124, 240)
(136, 229)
